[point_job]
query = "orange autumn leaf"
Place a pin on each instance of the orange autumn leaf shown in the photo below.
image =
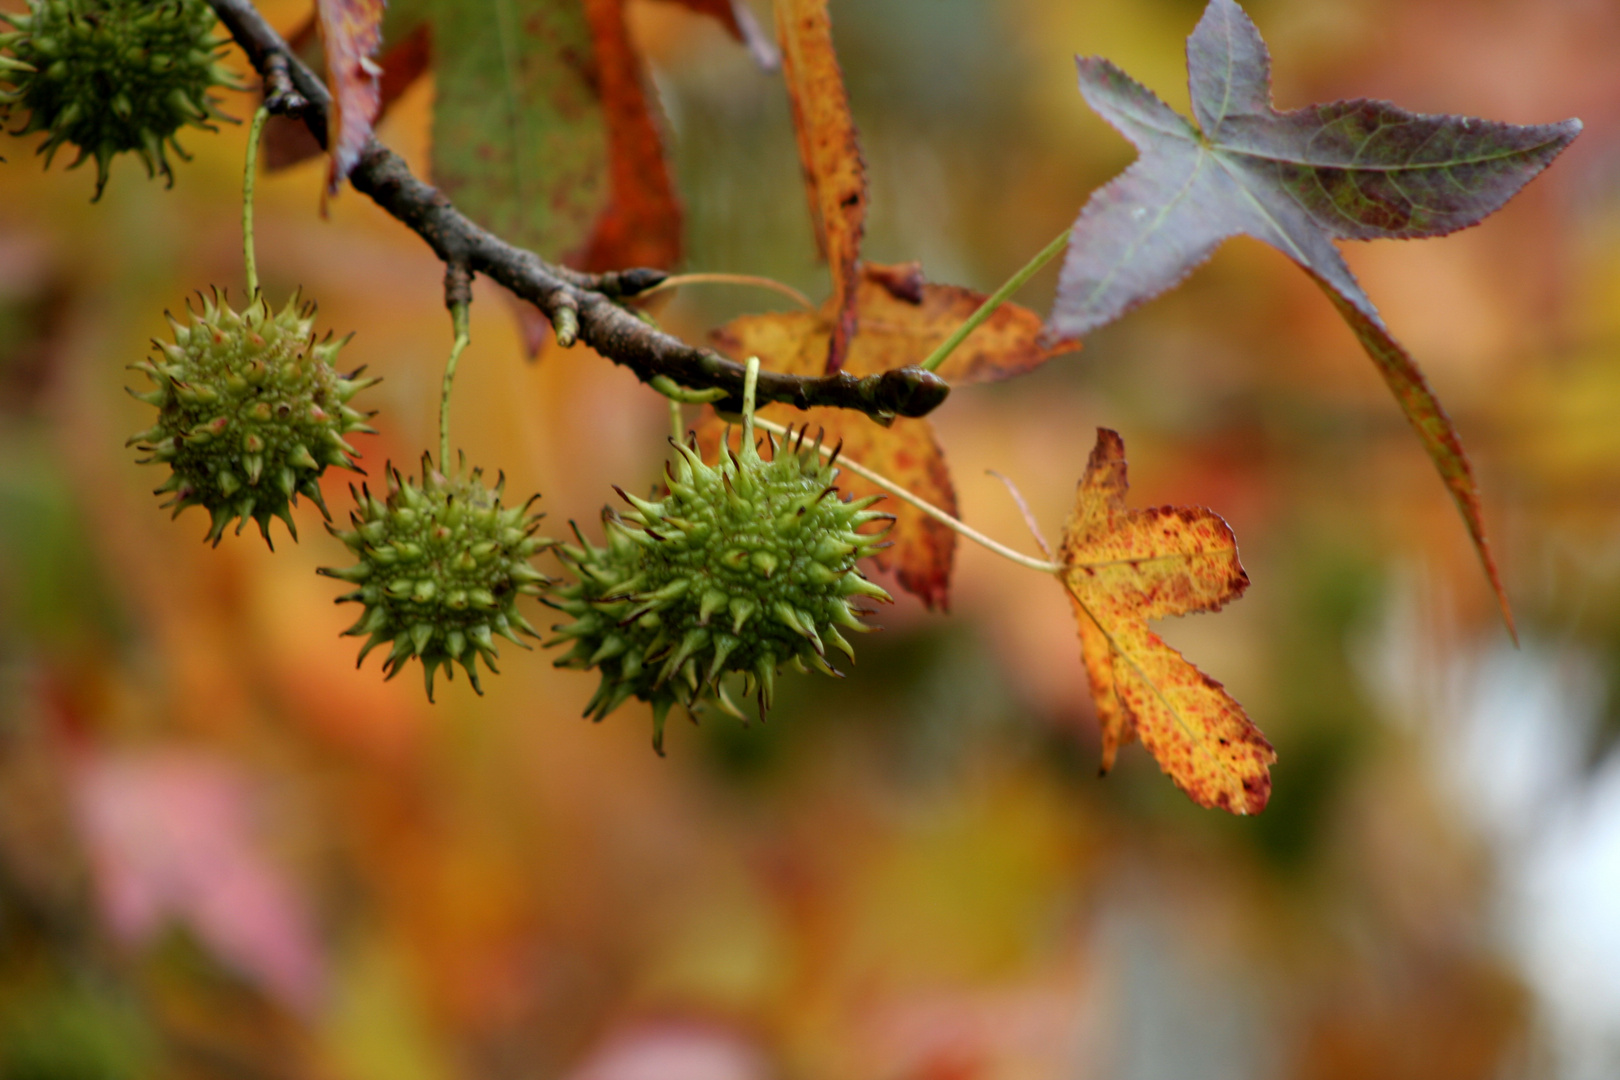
(1124, 567)
(351, 30)
(641, 223)
(830, 153)
(902, 319)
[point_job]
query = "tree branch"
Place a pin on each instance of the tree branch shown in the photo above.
(589, 299)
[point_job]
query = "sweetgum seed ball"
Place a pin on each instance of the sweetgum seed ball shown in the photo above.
(440, 566)
(111, 76)
(250, 413)
(743, 567)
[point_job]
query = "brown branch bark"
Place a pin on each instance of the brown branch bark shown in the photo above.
(605, 325)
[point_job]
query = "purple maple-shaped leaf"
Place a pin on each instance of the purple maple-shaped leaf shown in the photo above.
(1353, 170)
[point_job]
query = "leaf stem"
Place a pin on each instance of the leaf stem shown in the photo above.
(918, 501)
(996, 299)
(1023, 508)
(678, 393)
(250, 261)
(730, 279)
(458, 319)
(750, 382)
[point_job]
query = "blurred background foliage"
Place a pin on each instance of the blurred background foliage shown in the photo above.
(224, 853)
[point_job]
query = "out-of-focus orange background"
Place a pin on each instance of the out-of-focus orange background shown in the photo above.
(226, 853)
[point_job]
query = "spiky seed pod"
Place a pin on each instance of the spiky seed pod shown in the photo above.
(441, 566)
(111, 76)
(250, 412)
(743, 567)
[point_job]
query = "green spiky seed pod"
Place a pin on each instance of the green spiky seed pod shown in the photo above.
(250, 412)
(111, 76)
(743, 567)
(441, 566)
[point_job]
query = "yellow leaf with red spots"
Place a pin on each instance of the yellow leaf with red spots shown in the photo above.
(1124, 567)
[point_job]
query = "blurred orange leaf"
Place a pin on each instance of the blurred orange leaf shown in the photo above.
(737, 17)
(641, 223)
(830, 152)
(902, 319)
(351, 30)
(1123, 567)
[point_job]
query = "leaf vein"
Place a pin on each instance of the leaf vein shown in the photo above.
(1141, 238)
(1198, 742)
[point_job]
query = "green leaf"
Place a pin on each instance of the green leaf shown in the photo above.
(1358, 170)
(519, 140)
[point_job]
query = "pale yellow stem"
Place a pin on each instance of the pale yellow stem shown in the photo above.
(925, 506)
(773, 285)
